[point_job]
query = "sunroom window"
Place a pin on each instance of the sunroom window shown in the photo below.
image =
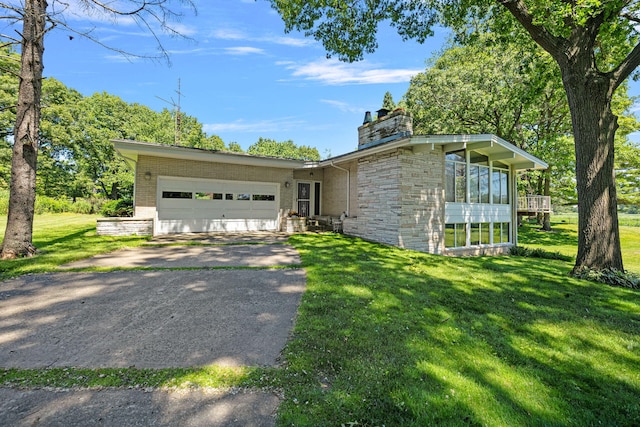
(456, 177)
(500, 184)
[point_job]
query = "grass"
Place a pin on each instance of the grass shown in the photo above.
(386, 336)
(393, 337)
(62, 238)
(564, 239)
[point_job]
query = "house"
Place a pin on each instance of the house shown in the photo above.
(441, 194)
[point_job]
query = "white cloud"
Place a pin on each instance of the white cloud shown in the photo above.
(235, 34)
(243, 50)
(342, 106)
(335, 73)
(228, 34)
(242, 125)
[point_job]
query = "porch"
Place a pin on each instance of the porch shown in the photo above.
(532, 205)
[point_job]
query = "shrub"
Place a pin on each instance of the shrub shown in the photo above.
(609, 276)
(82, 206)
(45, 204)
(120, 207)
(524, 251)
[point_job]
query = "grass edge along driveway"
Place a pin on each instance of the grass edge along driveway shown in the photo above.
(386, 336)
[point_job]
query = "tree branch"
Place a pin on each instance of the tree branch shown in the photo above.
(626, 67)
(552, 44)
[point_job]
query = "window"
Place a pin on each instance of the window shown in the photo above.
(455, 177)
(500, 232)
(478, 183)
(500, 184)
(228, 196)
(209, 196)
(177, 195)
(264, 197)
(244, 196)
(455, 235)
(479, 234)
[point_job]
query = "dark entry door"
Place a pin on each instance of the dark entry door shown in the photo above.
(304, 198)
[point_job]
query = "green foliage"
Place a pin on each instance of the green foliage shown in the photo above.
(117, 208)
(387, 102)
(524, 251)
(285, 150)
(610, 277)
(234, 147)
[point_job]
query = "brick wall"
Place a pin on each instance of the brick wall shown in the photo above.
(334, 194)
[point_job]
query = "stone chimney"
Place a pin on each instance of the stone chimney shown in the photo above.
(387, 127)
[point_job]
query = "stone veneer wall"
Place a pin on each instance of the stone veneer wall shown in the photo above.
(379, 199)
(422, 222)
(401, 199)
(124, 226)
(146, 189)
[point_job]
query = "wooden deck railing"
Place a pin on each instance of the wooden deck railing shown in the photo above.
(534, 204)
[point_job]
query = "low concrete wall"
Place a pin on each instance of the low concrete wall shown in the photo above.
(124, 226)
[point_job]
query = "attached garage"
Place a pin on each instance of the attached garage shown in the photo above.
(206, 205)
(190, 190)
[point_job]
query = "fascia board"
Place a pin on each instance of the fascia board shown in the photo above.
(133, 149)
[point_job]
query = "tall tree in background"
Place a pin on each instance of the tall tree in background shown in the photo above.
(594, 43)
(36, 21)
(387, 101)
(509, 89)
(284, 150)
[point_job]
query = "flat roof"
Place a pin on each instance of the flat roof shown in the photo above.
(492, 146)
(131, 150)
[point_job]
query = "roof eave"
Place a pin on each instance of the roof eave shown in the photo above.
(131, 150)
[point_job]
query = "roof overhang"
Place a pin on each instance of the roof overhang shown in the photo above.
(131, 150)
(492, 146)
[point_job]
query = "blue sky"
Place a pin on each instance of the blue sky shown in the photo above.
(240, 74)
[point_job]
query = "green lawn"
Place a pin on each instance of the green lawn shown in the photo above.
(391, 337)
(62, 238)
(564, 239)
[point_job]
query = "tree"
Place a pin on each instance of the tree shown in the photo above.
(285, 150)
(234, 147)
(387, 101)
(36, 21)
(593, 42)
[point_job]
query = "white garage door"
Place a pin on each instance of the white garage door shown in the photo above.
(196, 205)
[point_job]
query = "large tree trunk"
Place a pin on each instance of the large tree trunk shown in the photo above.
(22, 193)
(594, 125)
(546, 219)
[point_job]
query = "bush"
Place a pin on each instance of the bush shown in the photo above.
(46, 204)
(538, 253)
(120, 207)
(610, 277)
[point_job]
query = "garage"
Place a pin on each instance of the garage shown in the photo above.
(191, 205)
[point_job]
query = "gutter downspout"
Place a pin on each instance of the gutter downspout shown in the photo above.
(348, 184)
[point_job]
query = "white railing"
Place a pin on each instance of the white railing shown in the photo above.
(534, 204)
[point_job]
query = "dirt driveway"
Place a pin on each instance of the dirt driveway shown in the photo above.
(152, 318)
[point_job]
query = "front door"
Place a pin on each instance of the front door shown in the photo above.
(304, 198)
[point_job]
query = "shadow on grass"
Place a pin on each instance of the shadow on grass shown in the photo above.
(402, 338)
